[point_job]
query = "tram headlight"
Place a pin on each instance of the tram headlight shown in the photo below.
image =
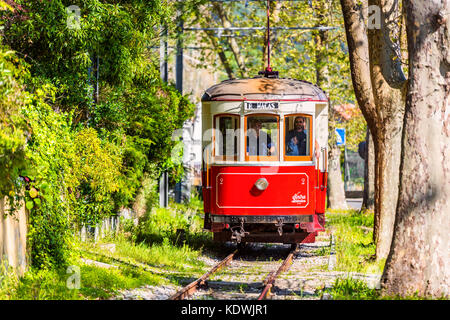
(261, 184)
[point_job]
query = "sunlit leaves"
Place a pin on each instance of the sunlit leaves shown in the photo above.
(82, 159)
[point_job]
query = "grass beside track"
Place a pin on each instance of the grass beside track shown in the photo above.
(151, 253)
(355, 249)
(355, 253)
(130, 266)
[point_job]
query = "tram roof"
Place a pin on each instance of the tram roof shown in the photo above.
(262, 88)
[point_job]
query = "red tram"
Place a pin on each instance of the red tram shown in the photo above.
(264, 160)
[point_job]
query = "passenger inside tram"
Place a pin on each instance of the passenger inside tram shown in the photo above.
(259, 142)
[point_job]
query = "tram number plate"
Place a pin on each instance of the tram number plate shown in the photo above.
(261, 105)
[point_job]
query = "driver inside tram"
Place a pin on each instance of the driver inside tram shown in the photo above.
(259, 142)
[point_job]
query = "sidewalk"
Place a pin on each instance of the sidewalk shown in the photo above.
(354, 203)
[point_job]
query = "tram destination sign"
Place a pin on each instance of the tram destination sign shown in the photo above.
(260, 105)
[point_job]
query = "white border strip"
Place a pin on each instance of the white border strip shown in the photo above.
(268, 173)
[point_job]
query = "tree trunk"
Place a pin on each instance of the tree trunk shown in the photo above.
(419, 255)
(355, 16)
(335, 188)
(378, 81)
(388, 86)
(221, 54)
(369, 174)
(335, 184)
(387, 165)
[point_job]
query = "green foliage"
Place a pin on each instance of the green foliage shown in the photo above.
(50, 154)
(162, 254)
(103, 283)
(352, 218)
(117, 33)
(12, 126)
(83, 158)
(297, 54)
(97, 166)
(95, 283)
(44, 285)
(356, 289)
(8, 280)
(162, 223)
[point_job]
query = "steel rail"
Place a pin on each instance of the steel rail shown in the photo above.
(270, 279)
(193, 286)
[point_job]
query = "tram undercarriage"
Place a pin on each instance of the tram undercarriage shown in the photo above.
(288, 229)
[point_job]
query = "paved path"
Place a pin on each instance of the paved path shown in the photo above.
(354, 203)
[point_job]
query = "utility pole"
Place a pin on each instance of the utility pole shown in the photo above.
(163, 52)
(164, 180)
(179, 79)
(179, 58)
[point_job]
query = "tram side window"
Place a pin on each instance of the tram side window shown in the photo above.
(227, 136)
(297, 135)
(262, 137)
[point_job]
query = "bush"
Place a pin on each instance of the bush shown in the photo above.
(96, 165)
(81, 159)
(161, 223)
(13, 129)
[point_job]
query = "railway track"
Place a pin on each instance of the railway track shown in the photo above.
(201, 282)
(268, 282)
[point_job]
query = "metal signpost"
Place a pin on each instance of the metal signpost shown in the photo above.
(340, 135)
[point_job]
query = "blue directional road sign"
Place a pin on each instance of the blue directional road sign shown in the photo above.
(340, 135)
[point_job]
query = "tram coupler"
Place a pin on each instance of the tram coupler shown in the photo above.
(280, 225)
(238, 232)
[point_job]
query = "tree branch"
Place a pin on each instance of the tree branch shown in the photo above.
(358, 45)
(233, 44)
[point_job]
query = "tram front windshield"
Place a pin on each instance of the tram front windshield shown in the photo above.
(262, 140)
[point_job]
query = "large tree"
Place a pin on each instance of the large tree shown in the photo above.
(335, 191)
(388, 85)
(379, 85)
(419, 258)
